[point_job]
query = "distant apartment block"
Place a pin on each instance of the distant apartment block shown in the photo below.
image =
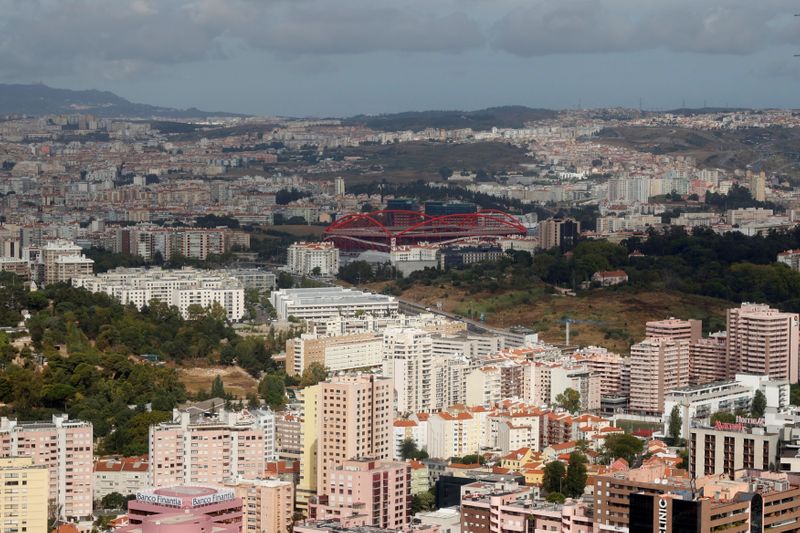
(307, 258)
(336, 353)
(185, 288)
(197, 449)
(708, 360)
(790, 258)
(60, 261)
(682, 330)
(658, 365)
(66, 448)
(330, 302)
(408, 361)
(762, 340)
(558, 232)
(149, 241)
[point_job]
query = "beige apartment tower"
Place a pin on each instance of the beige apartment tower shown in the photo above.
(658, 365)
(23, 495)
(354, 419)
(762, 340)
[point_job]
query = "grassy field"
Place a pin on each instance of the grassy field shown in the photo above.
(614, 319)
(236, 381)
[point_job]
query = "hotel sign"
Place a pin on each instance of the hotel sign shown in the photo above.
(750, 421)
(727, 426)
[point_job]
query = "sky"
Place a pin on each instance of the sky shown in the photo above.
(346, 57)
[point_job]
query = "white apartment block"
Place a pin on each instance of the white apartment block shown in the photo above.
(182, 288)
(453, 433)
(66, 447)
(467, 344)
(62, 260)
(790, 258)
(336, 353)
(323, 303)
(449, 380)
(544, 381)
(198, 450)
(407, 361)
(304, 257)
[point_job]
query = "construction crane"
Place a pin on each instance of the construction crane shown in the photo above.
(569, 320)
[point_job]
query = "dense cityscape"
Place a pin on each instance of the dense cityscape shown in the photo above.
(300, 315)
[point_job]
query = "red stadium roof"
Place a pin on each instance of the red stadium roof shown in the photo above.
(378, 229)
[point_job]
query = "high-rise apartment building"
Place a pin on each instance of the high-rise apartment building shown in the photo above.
(320, 258)
(23, 495)
(354, 419)
(62, 260)
(605, 365)
(267, 504)
(66, 448)
(708, 359)
(658, 365)
(558, 232)
(366, 492)
(762, 340)
(338, 186)
(307, 483)
(408, 360)
(681, 330)
(201, 450)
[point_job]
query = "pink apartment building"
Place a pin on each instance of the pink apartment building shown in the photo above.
(658, 365)
(762, 340)
(66, 448)
(355, 414)
(684, 330)
(190, 451)
(366, 492)
(184, 509)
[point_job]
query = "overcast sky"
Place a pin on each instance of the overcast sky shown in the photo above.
(342, 57)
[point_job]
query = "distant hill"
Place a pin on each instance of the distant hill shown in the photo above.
(481, 120)
(38, 99)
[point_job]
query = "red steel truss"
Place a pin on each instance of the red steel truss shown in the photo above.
(380, 229)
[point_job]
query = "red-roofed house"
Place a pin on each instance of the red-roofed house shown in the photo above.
(125, 475)
(608, 278)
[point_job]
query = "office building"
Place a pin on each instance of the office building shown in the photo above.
(762, 340)
(196, 449)
(658, 365)
(336, 353)
(317, 258)
(726, 448)
(558, 232)
(320, 304)
(267, 504)
(407, 361)
(23, 495)
(185, 508)
(354, 419)
(66, 448)
(366, 492)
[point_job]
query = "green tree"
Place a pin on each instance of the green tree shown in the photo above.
(422, 501)
(675, 424)
(313, 374)
(553, 479)
(555, 497)
(622, 446)
(758, 405)
(408, 449)
(217, 388)
(284, 280)
(273, 390)
(114, 500)
(569, 400)
(445, 172)
(724, 417)
(575, 479)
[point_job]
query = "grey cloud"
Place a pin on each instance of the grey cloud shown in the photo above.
(602, 26)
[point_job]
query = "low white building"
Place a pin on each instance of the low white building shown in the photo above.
(126, 475)
(699, 402)
(182, 288)
(306, 257)
(320, 304)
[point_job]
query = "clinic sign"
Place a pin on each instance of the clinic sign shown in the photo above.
(662, 515)
(219, 496)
